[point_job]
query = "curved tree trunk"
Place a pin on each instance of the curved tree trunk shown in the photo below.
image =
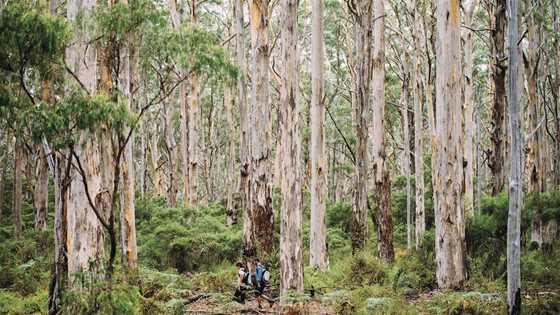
(450, 229)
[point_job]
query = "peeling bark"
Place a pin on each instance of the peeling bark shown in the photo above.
(363, 16)
(449, 221)
(468, 105)
(318, 256)
(291, 244)
(261, 122)
(18, 193)
(496, 160)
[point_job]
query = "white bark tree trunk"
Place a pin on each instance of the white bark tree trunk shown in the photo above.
(84, 239)
(468, 106)
(291, 247)
(19, 156)
(261, 122)
(318, 238)
(420, 216)
(450, 229)
(516, 170)
(382, 179)
(41, 193)
(194, 125)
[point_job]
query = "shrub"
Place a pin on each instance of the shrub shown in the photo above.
(365, 269)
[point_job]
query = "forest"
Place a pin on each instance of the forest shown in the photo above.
(279, 157)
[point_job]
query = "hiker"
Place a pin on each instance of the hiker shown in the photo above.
(242, 283)
(260, 281)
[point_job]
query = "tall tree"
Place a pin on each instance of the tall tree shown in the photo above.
(318, 236)
(261, 122)
(468, 105)
(516, 179)
(382, 179)
(362, 12)
(534, 167)
(128, 82)
(41, 193)
(499, 67)
(19, 155)
(420, 216)
(194, 123)
(291, 244)
(244, 133)
(85, 235)
(449, 220)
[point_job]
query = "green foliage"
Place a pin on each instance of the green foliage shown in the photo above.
(339, 215)
(546, 204)
(365, 269)
(77, 112)
(14, 304)
(415, 272)
(460, 303)
(186, 239)
(30, 37)
(540, 270)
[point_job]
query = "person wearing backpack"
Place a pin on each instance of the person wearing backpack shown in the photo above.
(242, 283)
(260, 282)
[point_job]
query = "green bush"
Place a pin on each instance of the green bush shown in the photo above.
(339, 215)
(186, 239)
(365, 269)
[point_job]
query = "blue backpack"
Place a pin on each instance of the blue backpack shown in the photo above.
(260, 274)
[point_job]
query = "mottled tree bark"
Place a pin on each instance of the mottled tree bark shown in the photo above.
(261, 128)
(449, 222)
(291, 244)
(406, 162)
(19, 156)
(155, 161)
(420, 216)
(41, 193)
(516, 170)
(468, 105)
(318, 256)
(362, 12)
(499, 67)
(382, 179)
(128, 81)
(194, 124)
(84, 239)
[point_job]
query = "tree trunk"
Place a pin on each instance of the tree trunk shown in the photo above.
(2, 183)
(231, 207)
(154, 159)
(261, 122)
(499, 67)
(244, 135)
(406, 162)
(516, 180)
(85, 237)
(420, 216)
(18, 193)
(363, 16)
(291, 247)
(183, 92)
(171, 150)
(129, 80)
(318, 256)
(194, 125)
(382, 180)
(450, 229)
(468, 105)
(41, 193)
(533, 163)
